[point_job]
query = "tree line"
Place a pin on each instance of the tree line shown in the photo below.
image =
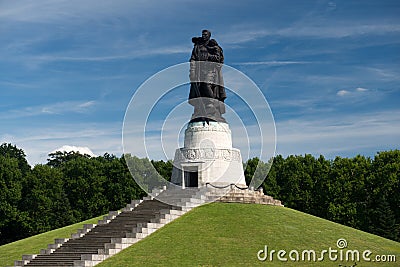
(359, 192)
(68, 189)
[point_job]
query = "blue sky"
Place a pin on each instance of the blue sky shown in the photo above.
(330, 70)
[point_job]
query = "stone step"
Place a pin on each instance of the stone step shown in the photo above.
(118, 230)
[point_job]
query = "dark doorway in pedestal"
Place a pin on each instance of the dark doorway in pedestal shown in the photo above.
(191, 178)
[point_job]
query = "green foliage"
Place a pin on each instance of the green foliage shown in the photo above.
(120, 187)
(164, 168)
(250, 168)
(144, 173)
(70, 188)
(84, 187)
(11, 151)
(254, 172)
(385, 222)
(45, 200)
(384, 194)
(359, 192)
(11, 180)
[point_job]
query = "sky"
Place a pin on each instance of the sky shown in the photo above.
(330, 70)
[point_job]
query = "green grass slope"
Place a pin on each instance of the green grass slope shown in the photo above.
(32, 245)
(225, 234)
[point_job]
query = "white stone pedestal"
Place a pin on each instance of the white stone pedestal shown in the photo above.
(208, 157)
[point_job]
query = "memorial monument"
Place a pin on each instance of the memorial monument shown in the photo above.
(207, 157)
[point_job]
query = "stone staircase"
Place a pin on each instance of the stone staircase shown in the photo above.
(121, 229)
(117, 231)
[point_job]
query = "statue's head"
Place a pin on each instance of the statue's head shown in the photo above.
(206, 35)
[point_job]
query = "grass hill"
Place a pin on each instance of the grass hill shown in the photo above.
(225, 234)
(32, 245)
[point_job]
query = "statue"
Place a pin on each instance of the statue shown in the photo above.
(207, 92)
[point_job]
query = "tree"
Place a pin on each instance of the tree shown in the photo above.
(84, 186)
(45, 200)
(71, 187)
(12, 222)
(383, 190)
(163, 168)
(384, 220)
(11, 151)
(58, 158)
(120, 187)
(296, 182)
(144, 173)
(250, 169)
(342, 208)
(322, 185)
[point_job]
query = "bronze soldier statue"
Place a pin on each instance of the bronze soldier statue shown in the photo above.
(207, 92)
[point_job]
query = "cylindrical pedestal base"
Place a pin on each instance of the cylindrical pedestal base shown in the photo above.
(208, 157)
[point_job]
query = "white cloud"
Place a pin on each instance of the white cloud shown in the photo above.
(81, 150)
(342, 93)
(243, 36)
(334, 136)
(248, 33)
(56, 108)
(86, 104)
(386, 73)
(354, 92)
(271, 63)
(338, 30)
(131, 53)
(72, 11)
(38, 141)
